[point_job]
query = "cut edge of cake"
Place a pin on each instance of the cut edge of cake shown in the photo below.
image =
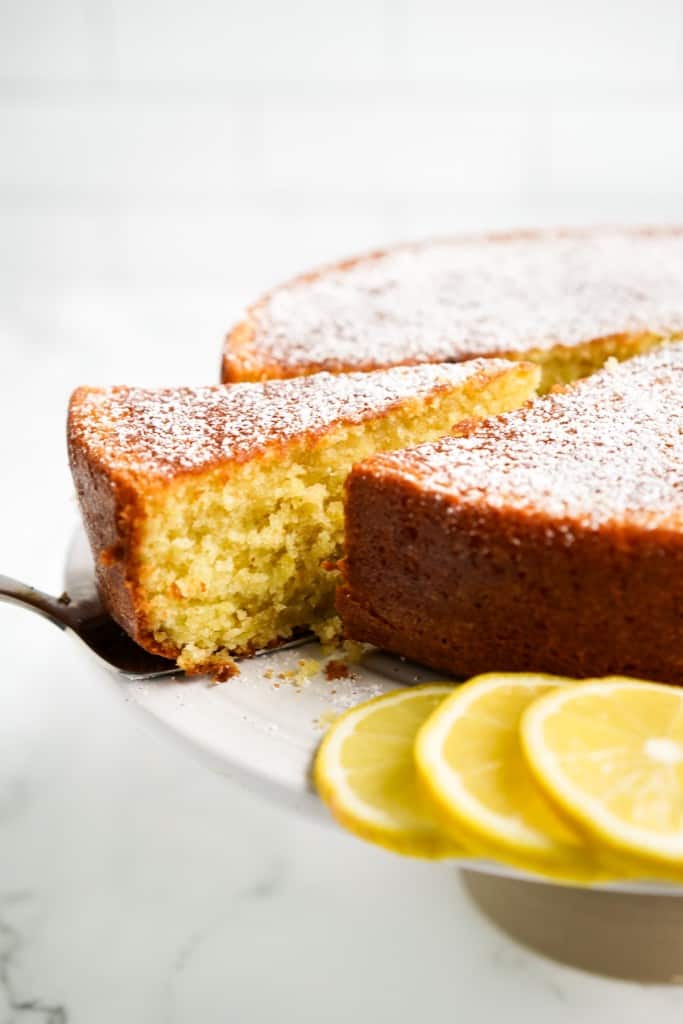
(210, 512)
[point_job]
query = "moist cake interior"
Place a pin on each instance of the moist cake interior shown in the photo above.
(565, 364)
(233, 558)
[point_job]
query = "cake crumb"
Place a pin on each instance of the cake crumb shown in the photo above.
(222, 672)
(337, 669)
(354, 651)
(307, 667)
(330, 634)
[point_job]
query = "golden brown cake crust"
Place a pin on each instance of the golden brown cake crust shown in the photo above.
(124, 443)
(111, 509)
(454, 299)
(548, 539)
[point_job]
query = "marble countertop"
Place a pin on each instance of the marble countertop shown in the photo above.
(136, 886)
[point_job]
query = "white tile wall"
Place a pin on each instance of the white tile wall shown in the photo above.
(45, 42)
(624, 151)
(249, 40)
(538, 41)
(86, 147)
(227, 143)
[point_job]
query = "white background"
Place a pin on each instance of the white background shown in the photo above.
(161, 163)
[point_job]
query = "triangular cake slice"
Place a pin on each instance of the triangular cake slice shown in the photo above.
(212, 511)
(567, 300)
(549, 539)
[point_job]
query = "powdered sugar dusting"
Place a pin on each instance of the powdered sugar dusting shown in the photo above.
(454, 299)
(609, 449)
(169, 430)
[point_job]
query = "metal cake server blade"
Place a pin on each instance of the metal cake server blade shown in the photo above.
(89, 622)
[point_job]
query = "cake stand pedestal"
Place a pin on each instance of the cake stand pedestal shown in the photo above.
(635, 936)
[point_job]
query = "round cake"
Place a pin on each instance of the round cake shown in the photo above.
(568, 300)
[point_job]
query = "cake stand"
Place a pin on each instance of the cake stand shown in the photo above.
(261, 729)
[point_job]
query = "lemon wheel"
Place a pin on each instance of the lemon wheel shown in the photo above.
(364, 771)
(609, 753)
(470, 761)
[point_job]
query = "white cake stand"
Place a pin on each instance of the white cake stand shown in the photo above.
(262, 728)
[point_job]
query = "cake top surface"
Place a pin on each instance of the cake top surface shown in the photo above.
(607, 450)
(166, 431)
(457, 298)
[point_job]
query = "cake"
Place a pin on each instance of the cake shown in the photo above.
(566, 300)
(549, 539)
(213, 511)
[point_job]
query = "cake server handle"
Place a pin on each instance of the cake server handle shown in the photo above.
(56, 609)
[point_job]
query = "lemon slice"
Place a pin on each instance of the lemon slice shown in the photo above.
(365, 773)
(470, 761)
(609, 753)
